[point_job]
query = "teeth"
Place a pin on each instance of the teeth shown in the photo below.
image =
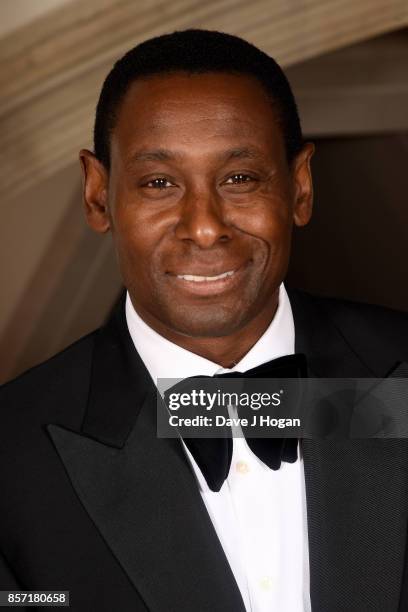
(203, 279)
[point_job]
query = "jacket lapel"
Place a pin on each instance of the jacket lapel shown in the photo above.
(139, 489)
(356, 490)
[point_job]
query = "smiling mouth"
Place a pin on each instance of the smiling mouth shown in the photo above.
(207, 285)
(198, 278)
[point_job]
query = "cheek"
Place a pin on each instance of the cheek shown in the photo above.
(270, 221)
(142, 250)
(134, 248)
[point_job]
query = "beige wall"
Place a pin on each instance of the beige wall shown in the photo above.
(29, 223)
(17, 13)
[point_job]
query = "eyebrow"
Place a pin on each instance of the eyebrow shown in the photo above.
(167, 155)
(154, 155)
(242, 153)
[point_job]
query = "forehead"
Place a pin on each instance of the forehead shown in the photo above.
(186, 110)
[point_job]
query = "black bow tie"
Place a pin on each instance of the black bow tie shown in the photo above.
(213, 455)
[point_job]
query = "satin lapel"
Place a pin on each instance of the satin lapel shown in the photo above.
(356, 491)
(139, 490)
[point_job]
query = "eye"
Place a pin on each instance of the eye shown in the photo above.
(159, 183)
(238, 179)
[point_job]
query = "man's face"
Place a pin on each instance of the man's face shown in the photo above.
(201, 202)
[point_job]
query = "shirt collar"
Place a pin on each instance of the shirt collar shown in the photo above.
(164, 359)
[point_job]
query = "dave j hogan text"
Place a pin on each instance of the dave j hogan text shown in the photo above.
(257, 420)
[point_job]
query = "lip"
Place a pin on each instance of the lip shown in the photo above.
(210, 287)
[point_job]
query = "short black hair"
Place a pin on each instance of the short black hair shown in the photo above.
(195, 51)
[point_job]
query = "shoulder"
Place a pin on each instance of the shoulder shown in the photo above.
(348, 311)
(54, 390)
(362, 318)
(368, 328)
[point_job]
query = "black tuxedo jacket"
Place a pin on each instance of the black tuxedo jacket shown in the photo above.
(91, 501)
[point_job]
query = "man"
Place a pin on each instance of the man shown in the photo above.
(199, 172)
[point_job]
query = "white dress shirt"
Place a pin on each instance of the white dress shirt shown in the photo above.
(259, 514)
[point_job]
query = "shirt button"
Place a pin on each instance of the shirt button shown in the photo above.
(242, 467)
(266, 583)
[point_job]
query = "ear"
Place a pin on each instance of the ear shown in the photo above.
(95, 192)
(303, 185)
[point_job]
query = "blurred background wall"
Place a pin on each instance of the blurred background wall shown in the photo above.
(348, 65)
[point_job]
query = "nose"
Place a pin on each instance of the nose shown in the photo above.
(202, 220)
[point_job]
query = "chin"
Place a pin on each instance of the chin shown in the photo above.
(208, 322)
